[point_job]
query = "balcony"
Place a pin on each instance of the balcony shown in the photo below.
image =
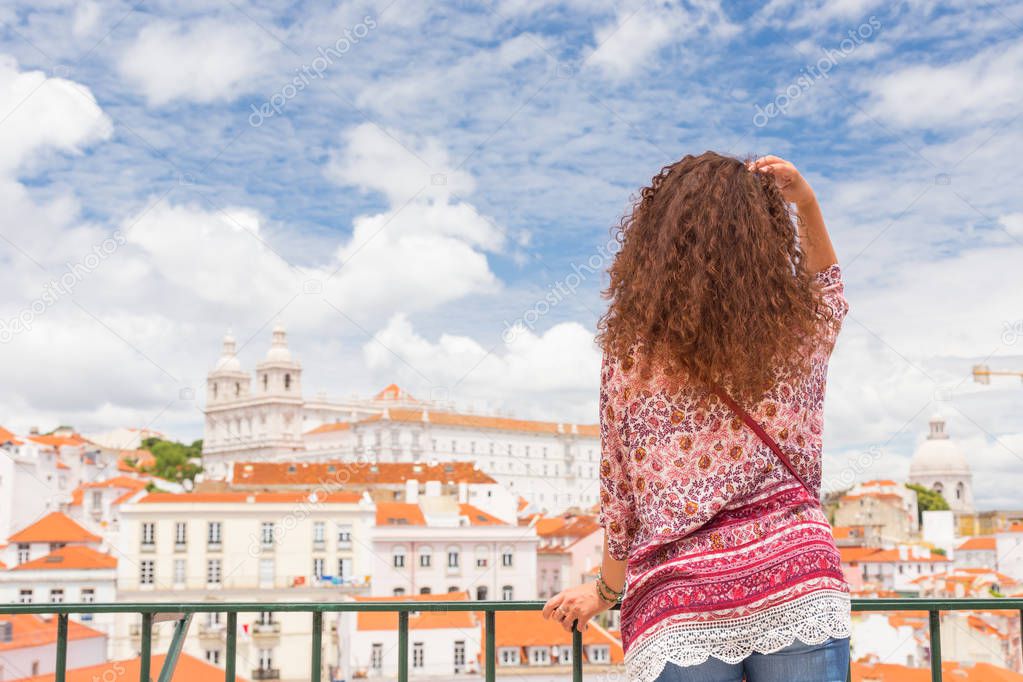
(265, 631)
(181, 614)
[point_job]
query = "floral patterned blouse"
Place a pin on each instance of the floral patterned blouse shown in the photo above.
(727, 552)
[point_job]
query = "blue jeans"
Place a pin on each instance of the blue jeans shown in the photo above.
(798, 662)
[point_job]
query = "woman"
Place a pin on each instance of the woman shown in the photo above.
(725, 301)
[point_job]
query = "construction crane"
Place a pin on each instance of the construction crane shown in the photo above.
(982, 374)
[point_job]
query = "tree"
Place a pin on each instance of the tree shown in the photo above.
(927, 500)
(173, 459)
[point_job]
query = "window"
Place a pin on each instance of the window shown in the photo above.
(97, 501)
(266, 533)
(213, 656)
(179, 571)
(287, 382)
(148, 534)
(88, 595)
(318, 568)
(213, 533)
(213, 575)
(600, 654)
(266, 572)
(398, 559)
(265, 618)
(481, 562)
(459, 656)
(266, 659)
(417, 654)
(319, 532)
(376, 658)
(425, 590)
(180, 533)
(425, 557)
(454, 446)
(539, 655)
(510, 656)
(22, 552)
(25, 596)
(481, 593)
(398, 591)
(452, 558)
(344, 568)
(344, 535)
(507, 593)
(146, 572)
(507, 557)
(56, 596)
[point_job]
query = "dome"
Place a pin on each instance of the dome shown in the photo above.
(938, 455)
(279, 347)
(228, 361)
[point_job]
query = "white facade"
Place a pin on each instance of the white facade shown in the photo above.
(553, 465)
(242, 546)
(434, 545)
(34, 480)
(939, 464)
(85, 646)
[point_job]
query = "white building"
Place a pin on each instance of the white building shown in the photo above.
(939, 464)
(28, 646)
(435, 544)
(442, 644)
(244, 546)
(551, 464)
(37, 475)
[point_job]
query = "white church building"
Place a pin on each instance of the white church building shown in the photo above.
(264, 416)
(940, 464)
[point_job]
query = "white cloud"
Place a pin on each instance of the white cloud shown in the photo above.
(554, 373)
(639, 32)
(201, 61)
(983, 88)
(41, 113)
(396, 165)
(86, 17)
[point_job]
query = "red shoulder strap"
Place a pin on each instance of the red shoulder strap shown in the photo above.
(763, 435)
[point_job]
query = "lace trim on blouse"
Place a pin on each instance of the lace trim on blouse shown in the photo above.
(811, 619)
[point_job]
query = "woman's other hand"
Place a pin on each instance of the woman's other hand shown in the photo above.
(793, 186)
(575, 605)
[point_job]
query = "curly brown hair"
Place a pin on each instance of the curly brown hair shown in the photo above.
(709, 285)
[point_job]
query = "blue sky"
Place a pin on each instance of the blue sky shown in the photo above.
(434, 172)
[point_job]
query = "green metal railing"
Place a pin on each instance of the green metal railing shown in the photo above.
(181, 615)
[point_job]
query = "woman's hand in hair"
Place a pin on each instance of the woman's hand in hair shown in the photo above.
(793, 186)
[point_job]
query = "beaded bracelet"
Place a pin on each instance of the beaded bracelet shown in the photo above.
(608, 593)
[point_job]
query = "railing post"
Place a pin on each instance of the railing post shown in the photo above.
(403, 646)
(490, 661)
(61, 669)
(577, 654)
(317, 652)
(232, 643)
(146, 642)
(935, 632)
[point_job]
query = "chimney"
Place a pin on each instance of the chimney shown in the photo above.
(412, 490)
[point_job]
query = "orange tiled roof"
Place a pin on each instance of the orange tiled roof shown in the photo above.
(421, 620)
(54, 527)
(576, 526)
(353, 473)
(951, 670)
(477, 421)
(399, 514)
(188, 669)
(68, 558)
(30, 630)
(143, 459)
(242, 497)
(394, 392)
(59, 441)
(529, 628)
(8, 437)
(330, 427)
(879, 483)
(478, 517)
(978, 543)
